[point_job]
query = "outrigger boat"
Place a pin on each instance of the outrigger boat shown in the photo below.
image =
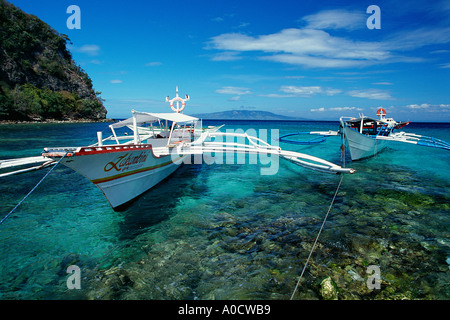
(125, 166)
(366, 136)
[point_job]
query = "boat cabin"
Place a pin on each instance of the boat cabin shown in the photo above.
(158, 129)
(369, 126)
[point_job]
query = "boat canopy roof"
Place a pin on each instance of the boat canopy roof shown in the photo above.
(145, 117)
(358, 120)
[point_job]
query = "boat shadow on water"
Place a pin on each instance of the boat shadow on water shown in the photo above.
(156, 205)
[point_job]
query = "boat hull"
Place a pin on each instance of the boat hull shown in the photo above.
(362, 146)
(122, 173)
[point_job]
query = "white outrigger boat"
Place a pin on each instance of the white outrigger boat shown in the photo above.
(366, 136)
(125, 166)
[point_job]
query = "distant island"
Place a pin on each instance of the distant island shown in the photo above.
(39, 80)
(245, 115)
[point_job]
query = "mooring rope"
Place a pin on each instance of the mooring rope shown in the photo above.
(34, 188)
(317, 238)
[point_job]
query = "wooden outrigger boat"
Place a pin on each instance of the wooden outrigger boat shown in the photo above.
(366, 136)
(125, 166)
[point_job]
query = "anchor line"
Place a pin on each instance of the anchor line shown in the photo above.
(317, 238)
(31, 191)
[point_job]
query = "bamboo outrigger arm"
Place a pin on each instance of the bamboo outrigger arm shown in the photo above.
(257, 146)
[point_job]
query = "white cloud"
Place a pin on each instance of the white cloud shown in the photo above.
(226, 56)
(233, 90)
(115, 81)
(370, 94)
(413, 39)
(417, 106)
(309, 91)
(345, 109)
(429, 107)
(315, 62)
(336, 109)
(294, 77)
(243, 25)
(277, 95)
(383, 83)
(312, 46)
(332, 92)
(301, 42)
(153, 64)
(302, 91)
(236, 91)
(89, 49)
(336, 19)
(307, 47)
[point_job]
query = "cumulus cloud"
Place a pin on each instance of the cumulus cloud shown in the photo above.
(303, 91)
(89, 49)
(153, 64)
(336, 109)
(315, 46)
(307, 47)
(226, 56)
(336, 19)
(236, 91)
(370, 94)
(345, 109)
(233, 90)
(310, 91)
(429, 107)
(417, 106)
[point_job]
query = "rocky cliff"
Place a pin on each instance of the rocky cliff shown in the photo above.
(38, 77)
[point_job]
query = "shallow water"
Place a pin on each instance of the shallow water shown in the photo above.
(225, 231)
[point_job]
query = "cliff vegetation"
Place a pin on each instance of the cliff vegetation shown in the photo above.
(39, 79)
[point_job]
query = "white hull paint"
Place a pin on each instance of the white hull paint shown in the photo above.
(125, 173)
(362, 146)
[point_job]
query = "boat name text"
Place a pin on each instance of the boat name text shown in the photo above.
(125, 161)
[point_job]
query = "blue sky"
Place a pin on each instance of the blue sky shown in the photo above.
(312, 59)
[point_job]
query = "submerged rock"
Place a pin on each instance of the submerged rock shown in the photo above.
(329, 289)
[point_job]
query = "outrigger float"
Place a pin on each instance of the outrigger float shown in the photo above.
(366, 136)
(125, 166)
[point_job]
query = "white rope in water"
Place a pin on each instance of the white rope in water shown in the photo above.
(317, 238)
(34, 188)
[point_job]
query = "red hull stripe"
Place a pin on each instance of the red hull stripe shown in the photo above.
(109, 149)
(125, 174)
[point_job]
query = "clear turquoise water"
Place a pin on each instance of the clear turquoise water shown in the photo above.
(226, 231)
